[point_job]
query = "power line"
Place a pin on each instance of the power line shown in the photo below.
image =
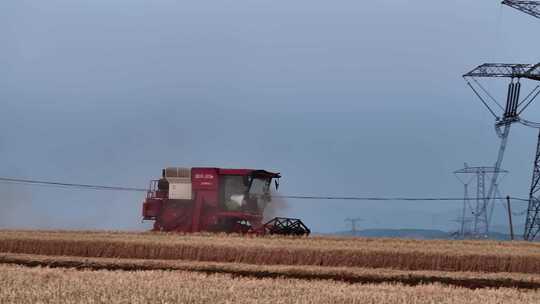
(32, 182)
(6, 180)
(373, 198)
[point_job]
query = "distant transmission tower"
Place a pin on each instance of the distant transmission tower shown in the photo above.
(482, 210)
(464, 220)
(353, 222)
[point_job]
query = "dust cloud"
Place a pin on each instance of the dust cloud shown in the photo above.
(17, 210)
(22, 207)
(276, 207)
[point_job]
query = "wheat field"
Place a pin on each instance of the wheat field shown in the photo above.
(464, 256)
(342, 274)
(44, 285)
(120, 267)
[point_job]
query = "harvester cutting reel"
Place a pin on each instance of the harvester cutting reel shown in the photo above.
(284, 226)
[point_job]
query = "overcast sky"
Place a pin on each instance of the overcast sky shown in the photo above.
(342, 98)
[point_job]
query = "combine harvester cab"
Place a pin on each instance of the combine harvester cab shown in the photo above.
(215, 200)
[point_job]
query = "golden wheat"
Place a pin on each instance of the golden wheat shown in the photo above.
(345, 274)
(473, 256)
(43, 285)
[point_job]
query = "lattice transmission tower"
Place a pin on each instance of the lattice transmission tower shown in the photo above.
(532, 222)
(511, 113)
(508, 114)
(465, 220)
(481, 208)
(353, 222)
(529, 7)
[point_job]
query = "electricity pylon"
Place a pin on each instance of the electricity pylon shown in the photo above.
(512, 110)
(353, 222)
(528, 7)
(482, 210)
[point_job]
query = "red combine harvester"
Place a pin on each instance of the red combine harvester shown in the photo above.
(215, 200)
